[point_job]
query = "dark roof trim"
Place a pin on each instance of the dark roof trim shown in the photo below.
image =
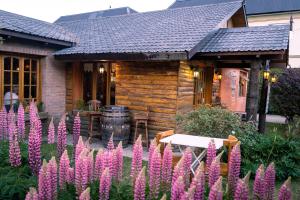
(275, 12)
(35, 38)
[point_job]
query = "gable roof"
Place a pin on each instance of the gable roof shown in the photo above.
(246, 39)
(174, 30)
(97, 14)
(253, 7)
(13, 23)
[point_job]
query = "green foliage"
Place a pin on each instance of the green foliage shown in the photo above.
(284, 152)
(294, 127)
(214, 122)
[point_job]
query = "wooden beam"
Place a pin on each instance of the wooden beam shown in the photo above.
(233, 65)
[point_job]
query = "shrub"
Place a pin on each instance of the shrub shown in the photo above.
(214, 122)
(286, 93)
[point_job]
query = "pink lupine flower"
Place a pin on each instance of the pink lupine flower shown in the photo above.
(44, 183)
(3, 124)
(14, 148)
(32, 194)
(269, 181)
(90, 166)
(76, 129)
(166, 171)
(10, 117)
(79, 147)
(108, 160)
(242, 188)
(211, 153)
(258, 185)
(234, 167)
(64, 166)
(178, 171)
(153, 145)
(177, 189)
(61, 136)
(110, 144)
(71, 175)
(98, 164)
(140, 185)
(12, 131)
(216, 192)
(38, 126)
(188, 195)
(51, 132)
(85, 195)
(154, 174)
(187, 162)
(285, 192)
(137, 158)
(119, 161)
(105, 183)
(21, 122)
(81, 172)
(34, 150)
(33, 111)
(199, 182)
(52, 178)
(214, 170)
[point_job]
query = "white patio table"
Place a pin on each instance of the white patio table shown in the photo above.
(193, 141)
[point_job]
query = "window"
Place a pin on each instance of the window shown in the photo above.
(19, 79)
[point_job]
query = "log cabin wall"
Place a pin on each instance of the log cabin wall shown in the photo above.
(153, 84)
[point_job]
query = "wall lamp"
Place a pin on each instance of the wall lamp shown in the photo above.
(195, 71)
(101, 69)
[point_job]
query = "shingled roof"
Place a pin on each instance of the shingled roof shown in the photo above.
(96, 14)
(189, 3)
(29, 26)
(174, 30)
(254, 39)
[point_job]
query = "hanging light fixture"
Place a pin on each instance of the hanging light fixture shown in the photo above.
(266, 73)
(195, 71)
(196, 74)
(274, 78)
(101, 69)
(219, 76)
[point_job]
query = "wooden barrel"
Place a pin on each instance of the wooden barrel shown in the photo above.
(115, 119)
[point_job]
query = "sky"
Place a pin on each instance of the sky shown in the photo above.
(50, 10)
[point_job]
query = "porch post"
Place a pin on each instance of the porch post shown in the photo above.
(253, 91)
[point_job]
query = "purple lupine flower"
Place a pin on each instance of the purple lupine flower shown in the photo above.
(79, 148)
(64, 166)
(10, 117)
(242, 188)
(166, 171)
(76, 129)
(153, 145)
(258, 185)
(98, 164)
(187, 162)
(216, 192)
(34, 150)
(3, 124)
(178, 171)
(234, 167)
(114, 160)
(12, 131)
(119, 162)
(33, 111)
(85, 195)
(188, 195)
(14, 148)
(90, 166)
(52, 178)
(71, 175)
(137, 158)
(154, 174)
(104, 186)
(199, 182)
(110, 144)
(177, 189)
(44, 183)
(32, 194)
(285, 192)
(211, 153)
(140, 185)
(21, 122)
(38, 126)
(51, 132)
(107, 160)
(81, 172)
(61, 136)
(214, 170)
(269, 181)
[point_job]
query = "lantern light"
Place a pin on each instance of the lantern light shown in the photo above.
(274, 79)
(266, 74)
(101, 69)
(219, 76)
(196, 74)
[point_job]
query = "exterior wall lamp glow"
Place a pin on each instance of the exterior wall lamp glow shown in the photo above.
(101, 69)
(266, 72)
(195, 71)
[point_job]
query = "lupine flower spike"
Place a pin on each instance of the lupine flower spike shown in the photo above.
(153, 145)
(188, 195)
(44, 186)
(71, 175)
(85, 195)
(64, 166)
(79, 148)
(119, 163)
(32, 194)
(110, 144)
(234, 167)
(242, 188)
(154, 174)
(21, 121)
(34, 150)
(187, 162)
(199, 182)
(216, 192)
(105, 183)
(269, 182)
(140, 185)
(61, 136)
(90, 166)
(137, 158)
(52, 178)
(177, 189)
(76, 129)
(14, 148)
(258, 185)
(98, 164)
(178, 171)
(3, 124)
(81, 172)
(211, 153)
(285, 192)
(214, 170)
(166, 171)
(51, 132)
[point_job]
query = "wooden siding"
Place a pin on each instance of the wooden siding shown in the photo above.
(69, 88)
(153, 84)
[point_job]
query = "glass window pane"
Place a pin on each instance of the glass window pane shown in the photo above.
(33, 65)
(7, 63)
(26, 78)
(6, 89)
(16, 64)
(27, 65)
(7, 77)
(26, 92)
(33, 78)
(33, 91)
(15, 78)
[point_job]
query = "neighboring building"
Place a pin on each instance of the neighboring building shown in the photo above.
(165, 60)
